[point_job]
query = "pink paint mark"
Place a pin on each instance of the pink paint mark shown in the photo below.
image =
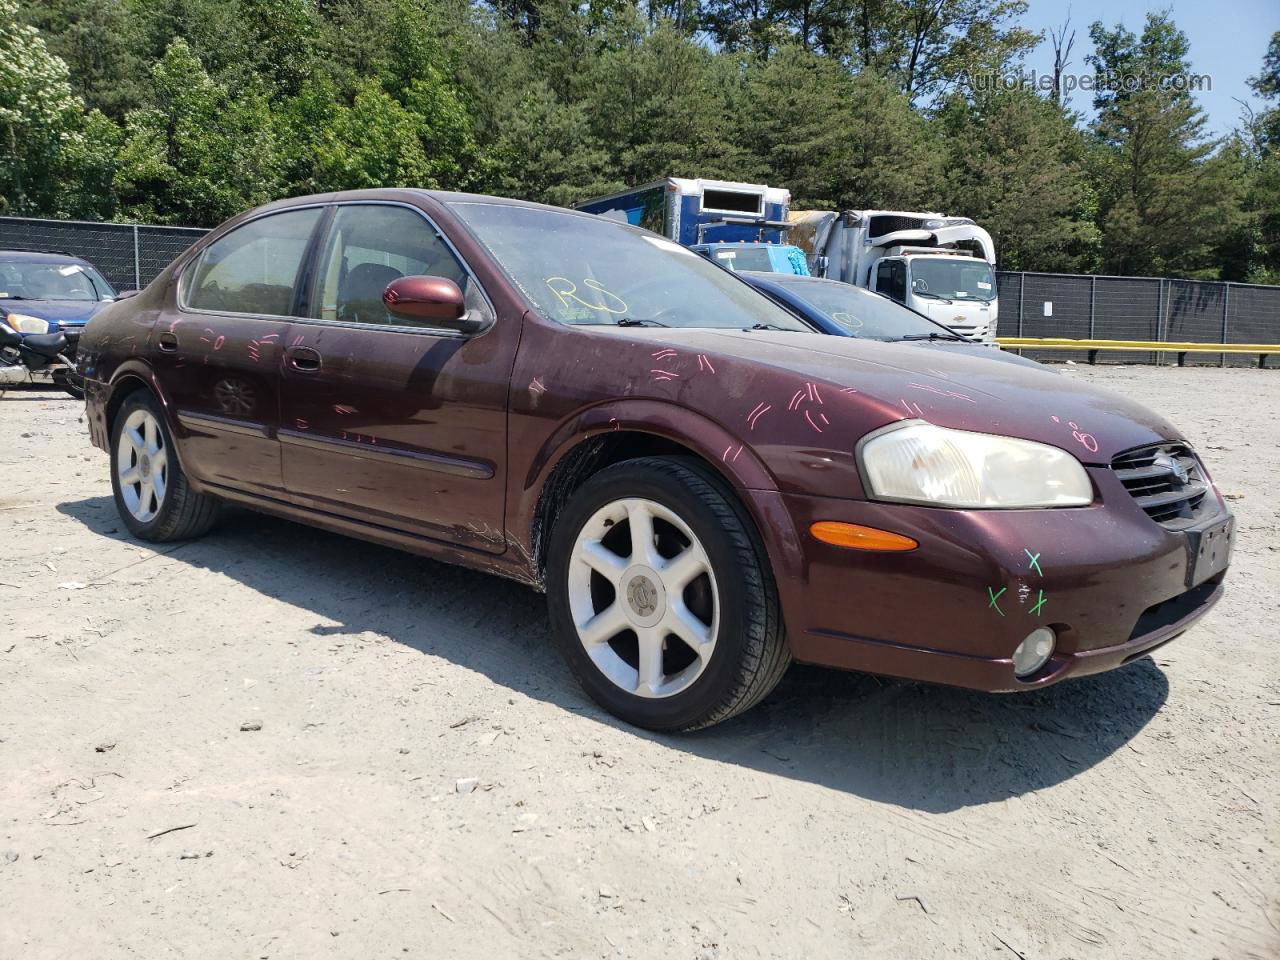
(663, 354)
(848, 390)
(823, 418)
(207, 339)
(664, 374)
(298, 340)
(269, 337)
(736, 451)
(217, 344)
(1073, 425)
(704, 359)
(343, 409)
(616, 424)
(811, 423)
(817, 394)
(913, 409)
(536, 387)
(1086, 440)
(795, 400)
(759, 411)
(301, 424)
(1056, 420)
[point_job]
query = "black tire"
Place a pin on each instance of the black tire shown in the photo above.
(183, 514)
(751, 652)
(69, 380)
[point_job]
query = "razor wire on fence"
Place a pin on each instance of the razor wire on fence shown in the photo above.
(1058, 305)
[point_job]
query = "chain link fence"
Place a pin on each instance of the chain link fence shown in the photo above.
(128, 255)
(1092, 307)
(1082, 307)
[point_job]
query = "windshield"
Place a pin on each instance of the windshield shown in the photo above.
(860, 313)
(748, 258)
(37, 280)
(952, 279)
(584, 270)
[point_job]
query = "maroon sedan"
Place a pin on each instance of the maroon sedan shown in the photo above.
(705, 488)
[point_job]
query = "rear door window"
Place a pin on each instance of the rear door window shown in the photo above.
(254, 268)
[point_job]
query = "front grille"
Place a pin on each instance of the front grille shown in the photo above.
(1154, 478)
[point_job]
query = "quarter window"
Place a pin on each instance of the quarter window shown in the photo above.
(368, 247)
(254, 268)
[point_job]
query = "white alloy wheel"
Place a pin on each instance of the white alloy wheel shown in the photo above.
(643, 598)
(142, 462)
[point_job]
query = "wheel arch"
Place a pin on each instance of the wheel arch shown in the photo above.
(612, 433)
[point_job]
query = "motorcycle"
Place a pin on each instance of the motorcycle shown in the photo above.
(24, 354)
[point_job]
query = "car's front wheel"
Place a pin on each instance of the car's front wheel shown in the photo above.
(152, 493)
(661, 596)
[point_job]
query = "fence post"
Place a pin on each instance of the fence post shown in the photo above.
(1226, 304)
(1093, 298)
(1160, 318)
(1022, 292)
(137, 261)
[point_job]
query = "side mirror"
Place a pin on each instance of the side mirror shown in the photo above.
(435, 300)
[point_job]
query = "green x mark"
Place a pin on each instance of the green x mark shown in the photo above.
(1039, 603)
(1035, 561)
(994, 597)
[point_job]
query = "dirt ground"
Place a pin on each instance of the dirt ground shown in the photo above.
(1129, 815)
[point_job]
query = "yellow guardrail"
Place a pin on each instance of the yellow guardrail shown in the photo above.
(1263, 350)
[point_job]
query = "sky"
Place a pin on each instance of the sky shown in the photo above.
(1228, 40)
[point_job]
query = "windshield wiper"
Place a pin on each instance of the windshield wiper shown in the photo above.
(768, 326)
(934, 296)
(935, 336)
(633, 322)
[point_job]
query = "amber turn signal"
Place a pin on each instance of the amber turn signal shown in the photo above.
(854, 536)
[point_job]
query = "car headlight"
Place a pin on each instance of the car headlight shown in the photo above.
(24, 323)
(920, 462)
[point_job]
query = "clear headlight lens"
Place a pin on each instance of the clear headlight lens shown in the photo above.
(928, 464)
(23, 323)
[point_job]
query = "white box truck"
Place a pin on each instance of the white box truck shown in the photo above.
(937, 265)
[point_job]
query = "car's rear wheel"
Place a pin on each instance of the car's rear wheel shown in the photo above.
(661, 596)
(152, 493)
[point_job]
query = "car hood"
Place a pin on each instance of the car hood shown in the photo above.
(66, 313)
(962, 389)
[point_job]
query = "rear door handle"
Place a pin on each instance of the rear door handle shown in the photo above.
(304, 359)
(168, 342)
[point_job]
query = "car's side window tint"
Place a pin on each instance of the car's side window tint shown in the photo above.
(254, 268)
(370, 245)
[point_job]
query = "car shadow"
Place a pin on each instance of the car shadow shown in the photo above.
(919, 746)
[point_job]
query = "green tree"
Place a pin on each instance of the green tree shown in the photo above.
(197, 155)
(40, 118)
(95, 40)
(1169, 194)
(1015, 164)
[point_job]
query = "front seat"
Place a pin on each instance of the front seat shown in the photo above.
(46, 344)
(360, 293)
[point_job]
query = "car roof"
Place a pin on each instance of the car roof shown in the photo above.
(40, 256)
(441, 196)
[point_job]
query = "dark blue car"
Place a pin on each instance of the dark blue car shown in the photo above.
(843, 310)
(50, 292)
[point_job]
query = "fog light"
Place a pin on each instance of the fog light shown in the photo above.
(1033, 652)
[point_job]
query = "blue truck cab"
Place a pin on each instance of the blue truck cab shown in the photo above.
(698, 211)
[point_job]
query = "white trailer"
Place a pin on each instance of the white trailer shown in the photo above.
(937, 265)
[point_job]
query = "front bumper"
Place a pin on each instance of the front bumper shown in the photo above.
(1111, 583)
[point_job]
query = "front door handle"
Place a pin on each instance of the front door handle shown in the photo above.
(168, 342)
(304, 359)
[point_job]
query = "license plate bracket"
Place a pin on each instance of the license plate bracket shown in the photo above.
(1209, 550)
